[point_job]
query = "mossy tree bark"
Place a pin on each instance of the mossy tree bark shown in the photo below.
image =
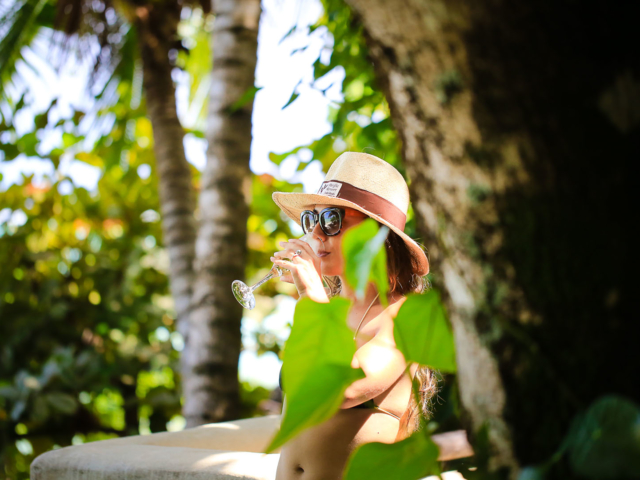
(519, 122)
(211, 387)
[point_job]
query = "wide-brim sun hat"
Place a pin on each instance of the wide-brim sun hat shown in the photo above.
(365, 183)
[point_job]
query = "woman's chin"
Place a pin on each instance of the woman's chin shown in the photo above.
(328, 269)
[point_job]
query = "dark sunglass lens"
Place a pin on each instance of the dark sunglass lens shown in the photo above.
(307, 222)
(330, 221)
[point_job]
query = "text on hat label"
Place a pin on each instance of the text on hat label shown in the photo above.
(330, 189)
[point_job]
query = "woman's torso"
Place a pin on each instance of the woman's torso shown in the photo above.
(321, 452)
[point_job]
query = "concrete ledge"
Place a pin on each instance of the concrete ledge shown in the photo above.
(150, 462)
(218, 451)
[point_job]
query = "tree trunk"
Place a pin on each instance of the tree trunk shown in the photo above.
(519, 122)
(211, 388)
(157, 31)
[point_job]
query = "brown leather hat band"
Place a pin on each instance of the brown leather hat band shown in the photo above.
(371, 202)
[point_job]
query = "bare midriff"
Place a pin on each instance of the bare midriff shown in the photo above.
(321, 452)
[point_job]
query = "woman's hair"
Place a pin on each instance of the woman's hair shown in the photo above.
(401, 268)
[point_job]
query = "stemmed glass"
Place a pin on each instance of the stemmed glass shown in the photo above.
(244, 293)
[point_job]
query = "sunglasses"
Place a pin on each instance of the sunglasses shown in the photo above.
(330, 220)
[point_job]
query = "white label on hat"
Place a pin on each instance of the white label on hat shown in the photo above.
(330, 189)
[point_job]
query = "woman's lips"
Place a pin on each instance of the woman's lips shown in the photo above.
(322, 253)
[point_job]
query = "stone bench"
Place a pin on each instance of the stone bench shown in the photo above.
(219, 451)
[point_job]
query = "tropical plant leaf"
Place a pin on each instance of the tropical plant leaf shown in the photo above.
(423, 334)
(278, 158)
(366, 258)
(288, 34)
(604, 442)
(19, 26)
(292, 99)
(294, 95)
(316, 366)
(412, 458)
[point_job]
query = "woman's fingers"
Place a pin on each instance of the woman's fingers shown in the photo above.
(288, 253)
(293, 255)
(284, 264)
(297, 244)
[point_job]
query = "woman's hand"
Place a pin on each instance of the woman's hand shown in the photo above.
(304, 269)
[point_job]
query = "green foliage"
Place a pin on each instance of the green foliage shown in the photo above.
(366, 258)
(246, 98)
(604, 442)
(423, 334)
(196, 60)
(361, 122)
(19, 23)
(316, 367)
(87, 321)
(293, 97)
(412, 458)
(27, 143)
(82, 313)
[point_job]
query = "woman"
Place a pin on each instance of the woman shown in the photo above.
(379, 407)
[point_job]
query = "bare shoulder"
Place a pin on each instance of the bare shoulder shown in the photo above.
(395, 307)
(385, 321)
(380, 328)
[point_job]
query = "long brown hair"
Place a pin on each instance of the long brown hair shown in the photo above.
(401, 268)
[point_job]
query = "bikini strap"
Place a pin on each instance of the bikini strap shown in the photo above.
(387, 412)
(365, 314)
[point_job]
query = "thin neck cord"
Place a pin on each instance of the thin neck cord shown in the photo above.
(365, 314)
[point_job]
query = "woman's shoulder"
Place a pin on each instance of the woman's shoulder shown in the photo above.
(387, 315)
(394, 306)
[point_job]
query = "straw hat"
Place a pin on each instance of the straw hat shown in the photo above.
(366, 183)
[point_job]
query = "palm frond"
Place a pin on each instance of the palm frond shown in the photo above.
(18, 26)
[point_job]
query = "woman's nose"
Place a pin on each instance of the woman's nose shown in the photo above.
(318, 233)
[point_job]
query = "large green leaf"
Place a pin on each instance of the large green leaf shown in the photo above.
(412, 458)
(423, 334)
(605, 441)
(366, 258)
(316, 367)
(62, 402)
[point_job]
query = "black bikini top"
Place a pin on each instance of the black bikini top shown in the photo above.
(368, 404)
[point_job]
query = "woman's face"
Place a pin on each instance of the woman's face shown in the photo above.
(328, 248)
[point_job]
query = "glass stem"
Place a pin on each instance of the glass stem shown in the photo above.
(269, 276)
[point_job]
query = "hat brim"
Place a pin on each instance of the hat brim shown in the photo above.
(293, 204)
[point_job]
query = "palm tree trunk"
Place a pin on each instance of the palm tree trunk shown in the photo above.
(211, 388)
(519, 123)
(157, 30)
